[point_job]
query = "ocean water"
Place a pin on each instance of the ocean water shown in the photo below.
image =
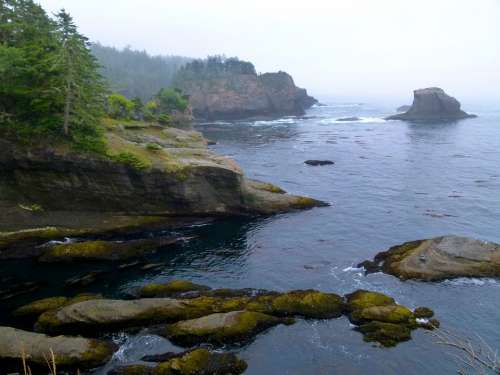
(391, 182)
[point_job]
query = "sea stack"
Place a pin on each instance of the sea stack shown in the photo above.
(432, 104)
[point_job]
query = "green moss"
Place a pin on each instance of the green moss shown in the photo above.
(387, 334)
(132, 160)
(222, 328)
(304, 202)
(153, 147)
(202, 362)
(36, 234)
(361, 299)
(99, 353)
(389, 314)
(423, 312)
(307, 303)
(87, 249)
(38, 307)
(133, 370)
(171, 288)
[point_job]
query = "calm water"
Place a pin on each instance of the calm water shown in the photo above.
(391, 182)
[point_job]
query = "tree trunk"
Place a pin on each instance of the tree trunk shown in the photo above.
(67, 107)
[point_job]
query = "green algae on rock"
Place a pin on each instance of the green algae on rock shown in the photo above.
(438, 259)
(170, 289)
(379, 318)
(70, 352)
(105, 250)
(221, 328)
(202, 362)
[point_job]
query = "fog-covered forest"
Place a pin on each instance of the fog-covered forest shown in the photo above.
(136, 73)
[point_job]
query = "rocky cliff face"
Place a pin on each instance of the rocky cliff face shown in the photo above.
(154, 171)
(432, 104)
(232, 89)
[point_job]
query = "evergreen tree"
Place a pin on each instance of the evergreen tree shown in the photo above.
(80, 84)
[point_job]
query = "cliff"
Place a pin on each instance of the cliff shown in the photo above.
(149, 171)
(231, 89)
(432, 104)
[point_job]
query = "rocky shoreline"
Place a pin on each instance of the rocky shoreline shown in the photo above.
(191, 315)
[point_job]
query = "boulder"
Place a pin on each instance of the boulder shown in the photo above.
(221, 328)
(439, 258)
(70, 352)
(174, 288)
(432, 104)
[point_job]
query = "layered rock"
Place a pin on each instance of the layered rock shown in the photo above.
(150, 172)
(231, 89)
(432, 104)
(36, 348)
(439, 258)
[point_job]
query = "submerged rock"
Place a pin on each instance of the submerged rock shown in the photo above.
(315, 163)
(221, 328)
(70, 352)
(439, 258)
(105, 250)
(432, 104)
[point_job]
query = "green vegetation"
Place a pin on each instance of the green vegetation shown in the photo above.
(119, 107)
(50, 85)
(136, 74)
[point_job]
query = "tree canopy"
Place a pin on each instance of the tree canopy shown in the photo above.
(49, 79)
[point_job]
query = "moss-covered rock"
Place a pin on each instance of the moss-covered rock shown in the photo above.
(423, 312)
(202, 362)
(306, 303)
(38, 307)
(104, 250)
(362, 299)
(132, 370)
(170, 289)
(389, 314)
(387, 334)
(221, 328)
(70, 352)
(439, 258)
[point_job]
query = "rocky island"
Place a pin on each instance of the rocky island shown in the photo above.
(432, 104)
(221, 88)
(438, 258)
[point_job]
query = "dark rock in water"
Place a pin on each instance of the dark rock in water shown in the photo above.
(432, 104)
(174, 288)
(439, 258)
(319, 162)
(191, 362)
(164, 356)
(231, 89)
(15, 290)
(403, 108)
(85, 279)
(211, 143)
(347, 119)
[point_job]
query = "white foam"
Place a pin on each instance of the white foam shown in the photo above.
(353, 269)
(470, 281)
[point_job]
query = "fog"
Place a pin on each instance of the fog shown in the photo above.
(343, 49)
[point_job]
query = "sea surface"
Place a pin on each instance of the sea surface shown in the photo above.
(392, 182)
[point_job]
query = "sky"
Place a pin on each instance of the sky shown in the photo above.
(346, 49)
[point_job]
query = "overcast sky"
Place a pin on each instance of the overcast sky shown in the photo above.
(352, 49)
